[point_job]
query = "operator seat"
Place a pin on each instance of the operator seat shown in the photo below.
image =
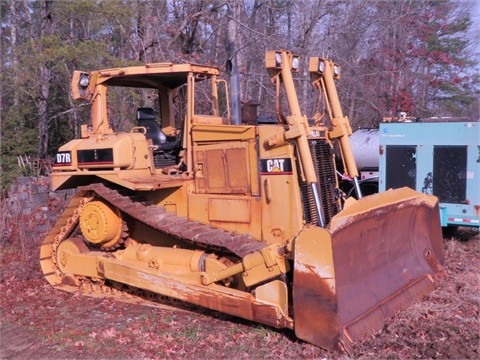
(146, 118)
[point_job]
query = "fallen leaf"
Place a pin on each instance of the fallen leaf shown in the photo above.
(110, 333)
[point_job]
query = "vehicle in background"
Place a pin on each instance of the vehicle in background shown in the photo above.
(436, 156)
(439, 157)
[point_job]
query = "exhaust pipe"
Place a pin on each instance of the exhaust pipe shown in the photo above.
(232, 69)
(234, 91)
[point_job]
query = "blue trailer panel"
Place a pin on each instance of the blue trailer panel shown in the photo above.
(438, 158)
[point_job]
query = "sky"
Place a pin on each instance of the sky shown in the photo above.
(476, 13)
(476, 20)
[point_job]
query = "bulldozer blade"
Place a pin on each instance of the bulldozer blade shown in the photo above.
(376, 257)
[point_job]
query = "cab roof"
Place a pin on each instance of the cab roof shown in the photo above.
(153, 75)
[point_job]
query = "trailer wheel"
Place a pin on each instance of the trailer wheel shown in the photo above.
(449, 231)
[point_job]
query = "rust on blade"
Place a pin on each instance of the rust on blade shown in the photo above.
(350, 278)
(314, 290)
(385, 262)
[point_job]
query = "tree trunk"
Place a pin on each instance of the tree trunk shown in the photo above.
(13, 36)
(44, 78)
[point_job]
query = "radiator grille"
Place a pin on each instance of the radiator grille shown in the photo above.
(323, 160)
(401, 169)
(450, 173)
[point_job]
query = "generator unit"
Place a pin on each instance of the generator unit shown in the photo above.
(440, 158)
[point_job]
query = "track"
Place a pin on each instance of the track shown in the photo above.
(136, 208)
(181, 228)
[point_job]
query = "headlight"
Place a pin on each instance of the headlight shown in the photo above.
(295, 62)
(316, 68)
(321, 66)
(278, 60)
(336, 71)
(84, 80)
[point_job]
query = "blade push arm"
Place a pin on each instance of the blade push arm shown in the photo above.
(323, 74)
(280, 65)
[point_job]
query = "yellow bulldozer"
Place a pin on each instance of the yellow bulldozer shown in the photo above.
(245, 219)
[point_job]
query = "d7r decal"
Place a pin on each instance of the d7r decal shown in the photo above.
(282, 166)
(63, 158)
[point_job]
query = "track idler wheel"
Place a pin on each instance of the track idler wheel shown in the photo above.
(66, 248)
(101, 225)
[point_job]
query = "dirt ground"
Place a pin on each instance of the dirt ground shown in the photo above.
(38, 322)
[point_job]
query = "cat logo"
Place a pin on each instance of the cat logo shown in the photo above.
(282, 166)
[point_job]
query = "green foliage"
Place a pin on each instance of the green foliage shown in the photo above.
(18, 137)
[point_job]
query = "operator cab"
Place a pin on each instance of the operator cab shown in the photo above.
(165, 148)
(147, 119)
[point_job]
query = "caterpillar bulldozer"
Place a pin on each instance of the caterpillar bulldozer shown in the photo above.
(244, 219)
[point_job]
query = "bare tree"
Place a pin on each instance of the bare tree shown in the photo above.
(44, 78)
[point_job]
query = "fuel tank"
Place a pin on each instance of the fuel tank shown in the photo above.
(365, 147)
